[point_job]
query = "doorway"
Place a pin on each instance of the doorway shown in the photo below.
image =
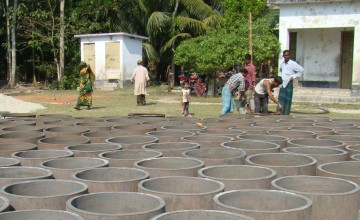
(347, 53)
(112, 60)
(292, 44)
(89, 55)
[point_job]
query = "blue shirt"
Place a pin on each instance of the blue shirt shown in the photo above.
(290, 70)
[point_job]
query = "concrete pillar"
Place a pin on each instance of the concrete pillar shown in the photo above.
(356, 61)
(284, 39)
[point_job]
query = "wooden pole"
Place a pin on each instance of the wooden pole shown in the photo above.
(250, 35)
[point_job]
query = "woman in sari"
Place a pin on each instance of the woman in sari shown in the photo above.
(87, 78)
(200, 87)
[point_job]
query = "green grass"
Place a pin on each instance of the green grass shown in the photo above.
(122, 102)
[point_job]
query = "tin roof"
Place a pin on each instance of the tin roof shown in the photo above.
(112, 34)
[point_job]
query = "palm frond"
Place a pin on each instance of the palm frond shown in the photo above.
(157, 22)
(150, 52)
(172, 41)
(213, 20)
(198, 8)
(186, 23)
(142, 6)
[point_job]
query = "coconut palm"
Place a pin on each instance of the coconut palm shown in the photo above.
(170, 21)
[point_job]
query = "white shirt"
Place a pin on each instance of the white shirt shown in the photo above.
(185, 95)
(260, 88)
(290, 70)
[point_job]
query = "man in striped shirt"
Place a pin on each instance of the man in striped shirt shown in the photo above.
(235, 82)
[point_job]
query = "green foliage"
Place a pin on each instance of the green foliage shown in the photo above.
(38, 22)
(155, 83)
(233, 9)
(222, 47)
(69, 81)
(47, 69)
(66, 83)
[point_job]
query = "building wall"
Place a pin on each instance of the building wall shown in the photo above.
(100, 55)
(320, 58)
(131, 53)
(308, 17)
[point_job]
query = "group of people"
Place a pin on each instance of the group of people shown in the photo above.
(244, 81)
(140, 77)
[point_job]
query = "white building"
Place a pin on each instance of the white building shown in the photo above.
(324, 37)
(112, 56)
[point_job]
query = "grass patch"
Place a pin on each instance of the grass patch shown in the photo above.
(122, 102)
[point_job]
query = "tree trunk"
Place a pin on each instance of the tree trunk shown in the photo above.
(62, 29)
(173, 33)
(52, 37)
(33, 56)
(8, 43)
(33, 68)
(13, 47)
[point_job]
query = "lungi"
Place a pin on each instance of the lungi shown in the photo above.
(285, 98)
(227, 101)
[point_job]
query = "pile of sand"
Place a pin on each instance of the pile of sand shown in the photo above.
(12, 105)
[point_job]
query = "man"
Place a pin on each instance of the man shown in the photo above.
(263, 91)
(140, 77)
(235, 81)
(250, 81)
(289, 70)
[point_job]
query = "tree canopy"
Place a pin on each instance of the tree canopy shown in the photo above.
(225, 45)
(215, 33)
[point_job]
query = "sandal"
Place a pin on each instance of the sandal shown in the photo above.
(88, 108)
(77, 107)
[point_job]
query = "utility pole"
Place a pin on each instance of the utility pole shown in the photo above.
(250, 35)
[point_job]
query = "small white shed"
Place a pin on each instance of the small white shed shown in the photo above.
(112, 56)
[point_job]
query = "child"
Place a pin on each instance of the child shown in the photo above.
(185, 98)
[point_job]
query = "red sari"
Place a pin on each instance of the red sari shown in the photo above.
(200, 87)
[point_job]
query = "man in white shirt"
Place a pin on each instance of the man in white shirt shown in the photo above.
(263, 91)
(289, 70)
(141, 78)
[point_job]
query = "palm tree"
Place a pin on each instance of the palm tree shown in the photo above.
(170, 21)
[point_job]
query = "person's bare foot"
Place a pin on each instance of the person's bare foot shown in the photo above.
(88, 108)
(77, 107)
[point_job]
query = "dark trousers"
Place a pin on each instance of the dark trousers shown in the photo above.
(185, 107)
(261, 103)
(140, 99)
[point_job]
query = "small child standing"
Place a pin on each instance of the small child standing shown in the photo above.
(185, 99)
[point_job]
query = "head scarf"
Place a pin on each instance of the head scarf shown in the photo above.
(82, 63)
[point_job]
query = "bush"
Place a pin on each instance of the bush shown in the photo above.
(66, 83)
(155, 83)
(69, 81)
